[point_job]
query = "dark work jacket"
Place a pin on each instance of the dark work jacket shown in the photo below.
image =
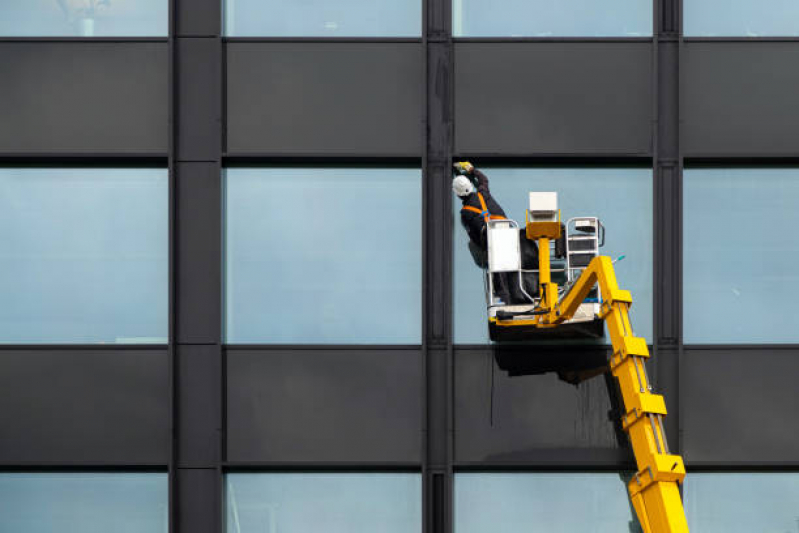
(474, 222)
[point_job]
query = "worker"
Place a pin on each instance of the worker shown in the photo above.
(478, 207)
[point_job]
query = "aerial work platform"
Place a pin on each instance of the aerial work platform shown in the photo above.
(588, 299)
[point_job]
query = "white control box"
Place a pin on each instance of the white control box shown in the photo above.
(503, 248)
(543, 206)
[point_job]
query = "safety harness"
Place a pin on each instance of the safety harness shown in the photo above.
(484, 212)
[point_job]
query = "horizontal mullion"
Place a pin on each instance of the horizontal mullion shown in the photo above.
(321, 347)
(564, 158)
(82, 347)
(321, 466)
(741, 39)
(317, 158)
(68, 39)
(116, 467)
(553, 39)
(53, 159)
(741, 347)
(231, 39)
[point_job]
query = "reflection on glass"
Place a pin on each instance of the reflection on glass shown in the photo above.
(545, 18)
(84, 256)
(543, 503)
(742, 502)
(620, 197)
(88, 503)
(323, 255)
(740, 255)
(332, 502)
(323, 18)
(84, 18)
(741, 18)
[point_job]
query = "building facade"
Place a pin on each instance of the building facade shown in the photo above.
(237, 297)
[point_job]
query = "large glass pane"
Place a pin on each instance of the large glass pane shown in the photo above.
(85, 503)
(331, 502)
(543, 502)
(323, 255)
(84, 18)
(741, 18)
(742, 502)
(740, 281)
(323, 18)
(84, 256)
(548, 18)
(620, 197)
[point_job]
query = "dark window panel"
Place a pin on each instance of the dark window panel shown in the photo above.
(84, 407)
(324, 406)
(325, 98)
(79, 97)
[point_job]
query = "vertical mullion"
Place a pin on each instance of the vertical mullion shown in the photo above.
(667, 213)
(437, 342)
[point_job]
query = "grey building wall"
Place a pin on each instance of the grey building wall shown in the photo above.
(196, 102)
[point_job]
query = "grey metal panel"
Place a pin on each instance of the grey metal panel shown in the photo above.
(78, 97)
(740, 98)
(199, 72)
(355, 98)
(199, 255)
(324, 405)
(545, 98)
(84, 406)
(517, 419)
(199, 500)
(198, 17)
(199, 405)
(739, 405)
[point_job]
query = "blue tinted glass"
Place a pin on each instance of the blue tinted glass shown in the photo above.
(740, 255)
(741, 18)
(742, 502)
(85, 503)
(545, 503)
(323, 18)
(545, 18)
(621, 198)
(323, 255)
(84, 256)
(84, 18)
(332, 503)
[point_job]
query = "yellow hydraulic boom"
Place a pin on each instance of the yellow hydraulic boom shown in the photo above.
(654, 488)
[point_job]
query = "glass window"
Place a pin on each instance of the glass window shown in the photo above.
(84, 18)
(89, 503)
(323, 255)
(740, 254)
(545, 18)
(84, 256)
(741, 18)
(742, 502)
(323, 18)
(329, 502)
(620, 197)
(543, 502)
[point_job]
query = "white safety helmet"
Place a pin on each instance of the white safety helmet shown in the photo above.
(462, 186)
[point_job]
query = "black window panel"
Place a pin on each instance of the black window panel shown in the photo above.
(739, 99)
(738, 405)
(93, 406)
(79, 97)
(326, 405)
(325, 98)
(512, 407)
(553, 98)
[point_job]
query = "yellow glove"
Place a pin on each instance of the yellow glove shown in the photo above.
(463, 167)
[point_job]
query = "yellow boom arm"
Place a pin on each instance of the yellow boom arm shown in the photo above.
(654, 488)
